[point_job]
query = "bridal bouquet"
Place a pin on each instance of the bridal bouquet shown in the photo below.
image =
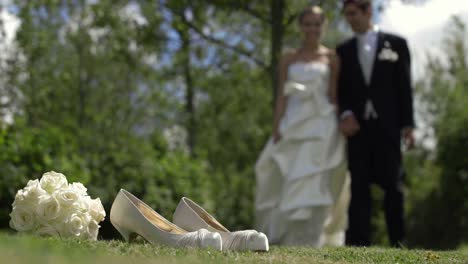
(53, 207)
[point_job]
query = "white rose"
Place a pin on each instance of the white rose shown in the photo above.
(52, 181)
(22, 200)
(19, 197)
(79, 188)
(46, 230)
(66, 197)
(33, 190)
(93, 230)
(32, 183)
(48, 208)
(22, 219)
(76, 225)
(96, 210)
(82, 204)
(79, 207)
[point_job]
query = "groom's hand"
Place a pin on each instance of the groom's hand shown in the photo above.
(349, 126)
(408, 137)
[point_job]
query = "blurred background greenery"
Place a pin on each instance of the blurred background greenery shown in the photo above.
(174, 98)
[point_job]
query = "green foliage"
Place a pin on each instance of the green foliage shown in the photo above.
(177, 175)
(90, 105)
(438, 178)
(234, 124)
(25, 153)
(451, 157)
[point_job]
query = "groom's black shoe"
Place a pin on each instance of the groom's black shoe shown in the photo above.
(356, 240)
(399, 244)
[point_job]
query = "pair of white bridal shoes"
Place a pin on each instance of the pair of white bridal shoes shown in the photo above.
(132, 218)
(192, 227)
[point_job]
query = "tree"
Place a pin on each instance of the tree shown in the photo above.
(92, 106)
(443, 176)
(270, 22)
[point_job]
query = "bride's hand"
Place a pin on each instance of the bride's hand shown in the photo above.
(349, 126)
(276, 136)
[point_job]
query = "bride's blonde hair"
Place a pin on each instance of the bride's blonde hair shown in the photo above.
(315, 10)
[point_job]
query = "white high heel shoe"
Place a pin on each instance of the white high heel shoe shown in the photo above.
(191, 216)
(132, 217)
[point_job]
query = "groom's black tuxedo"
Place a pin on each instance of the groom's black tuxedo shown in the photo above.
(374, 152)
(389, 88)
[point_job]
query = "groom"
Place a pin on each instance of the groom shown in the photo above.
(376, 111)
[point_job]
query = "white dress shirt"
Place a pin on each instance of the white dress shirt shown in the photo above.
(367, 47)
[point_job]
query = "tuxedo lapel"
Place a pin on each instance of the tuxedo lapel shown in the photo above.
(355, 59)
(376, 64)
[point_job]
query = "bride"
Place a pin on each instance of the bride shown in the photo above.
(302, 184)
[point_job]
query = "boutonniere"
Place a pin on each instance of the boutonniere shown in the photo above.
(387, 53)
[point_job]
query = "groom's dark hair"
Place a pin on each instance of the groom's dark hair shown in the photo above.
(361, 4)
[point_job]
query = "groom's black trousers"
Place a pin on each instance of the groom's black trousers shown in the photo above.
(374, 157)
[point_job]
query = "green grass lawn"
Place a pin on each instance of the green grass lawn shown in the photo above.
(26, 249)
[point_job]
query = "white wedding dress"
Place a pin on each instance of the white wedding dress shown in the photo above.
(302, 190)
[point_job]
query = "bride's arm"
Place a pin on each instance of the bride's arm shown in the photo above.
(334, 73)
(282, 99)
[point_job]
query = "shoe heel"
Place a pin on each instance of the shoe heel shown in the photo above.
(127, 235)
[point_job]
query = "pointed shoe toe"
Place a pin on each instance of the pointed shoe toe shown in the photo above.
(257, 242)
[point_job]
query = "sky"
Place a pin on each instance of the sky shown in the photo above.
(423, 25)
(11, 23)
